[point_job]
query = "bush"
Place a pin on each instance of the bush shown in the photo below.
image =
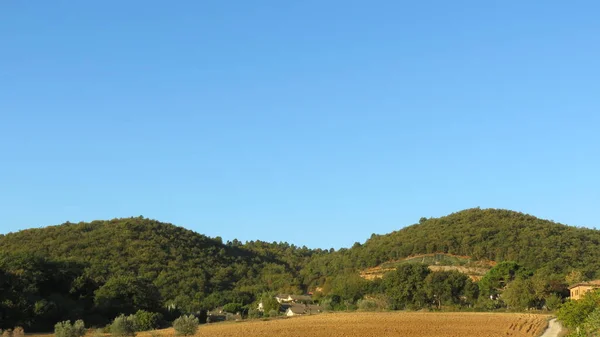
(591, 326)
(144, 320)
(123, 326)
(186, 325)
(233, 308)
(273, 313)
(7, 333)
(574, 313)
(254, 313)
(98, 333)
(66, 329)
(553, 302)
(18, 332)
(374, 303)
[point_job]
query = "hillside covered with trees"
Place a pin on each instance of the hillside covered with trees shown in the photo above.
(98, 270)
(104, 268)
(482, 234)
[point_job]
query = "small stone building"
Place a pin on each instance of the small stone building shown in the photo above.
(580, 289)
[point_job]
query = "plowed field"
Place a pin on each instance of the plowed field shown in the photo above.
(404, 324)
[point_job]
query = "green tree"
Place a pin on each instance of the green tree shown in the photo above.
(66, 329)
(405, 286)
(269, 302)
(349, 286)
(573, 313)
(495, 280)
(519, 294)
(186, 325)
(233, 308)
(123, 326)
(126, 295)
(145, 320)
(446, 287)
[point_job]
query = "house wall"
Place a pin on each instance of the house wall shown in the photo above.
(579, 291)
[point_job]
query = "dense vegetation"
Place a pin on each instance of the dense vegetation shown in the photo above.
(582, 317)
(491, 234)
(100, 270)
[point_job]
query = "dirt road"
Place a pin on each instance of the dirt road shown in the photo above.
(554, 329)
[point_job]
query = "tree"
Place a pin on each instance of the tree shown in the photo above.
(574, 313)
(446, 287)
(186, 325)
(269, 302)
(126, 295)
(405, 286)
(573, 277)
(495, 280)
(349, 286)
(233, 308)
(123, 326)
(519, 294)
(66, 329)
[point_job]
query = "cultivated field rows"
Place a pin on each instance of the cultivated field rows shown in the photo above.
(406, 324)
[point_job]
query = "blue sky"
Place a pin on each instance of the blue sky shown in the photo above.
(312, 122)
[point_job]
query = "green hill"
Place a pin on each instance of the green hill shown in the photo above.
(100, 269)
(481, 234)
(188, 270)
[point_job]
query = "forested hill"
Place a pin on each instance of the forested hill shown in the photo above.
(492, 234)
(100, 269)
(153, 263)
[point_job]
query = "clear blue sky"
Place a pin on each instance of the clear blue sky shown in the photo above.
(312, 122)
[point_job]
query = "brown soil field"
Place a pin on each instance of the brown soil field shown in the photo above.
(406, 324)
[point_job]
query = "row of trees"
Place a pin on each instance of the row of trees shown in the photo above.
(127, 326)
(413, 286)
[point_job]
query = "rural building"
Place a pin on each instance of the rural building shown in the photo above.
(295, 310)
(580, 289)
(302, 309)
(294, 305)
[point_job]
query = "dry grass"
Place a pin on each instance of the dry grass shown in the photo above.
(416, 324)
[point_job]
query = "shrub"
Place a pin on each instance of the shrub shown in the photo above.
(123, 326)
(574, 313)
(233, 308)
(145, 320)
(186, 325)
(98, 333)
(106, 329)
(7, 333)
(18, 332)
(66, 329)
(273, 313)
(374, 303)
(592, 324)
(553, 302)
(254, 313)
